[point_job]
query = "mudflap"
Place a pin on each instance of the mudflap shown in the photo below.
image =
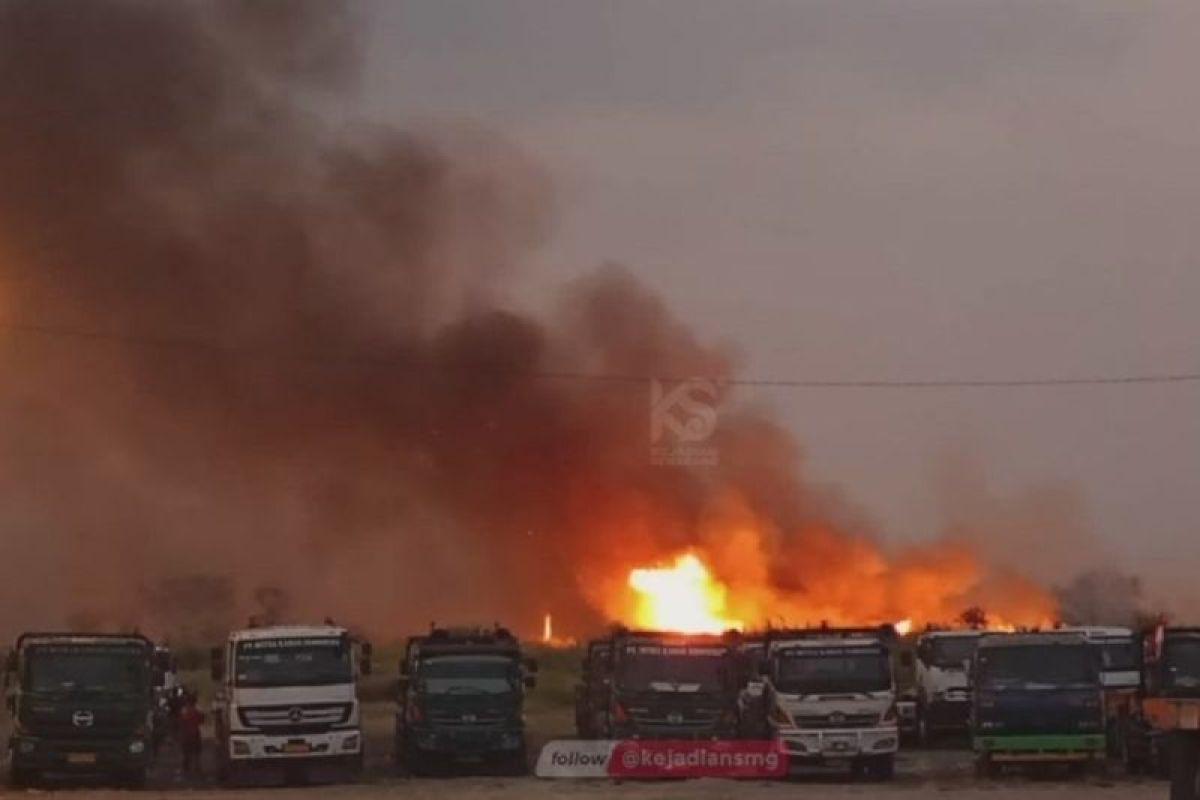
(1185, 759)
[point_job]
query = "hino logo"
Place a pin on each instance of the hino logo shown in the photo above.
(674, 718)
(295, 714)
(837, 718)
(469, 718)
(83, 719)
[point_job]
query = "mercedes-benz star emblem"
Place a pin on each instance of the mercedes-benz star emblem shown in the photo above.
(83, 719)
(295, 714)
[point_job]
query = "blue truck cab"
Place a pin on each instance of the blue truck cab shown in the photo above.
(1037, 697)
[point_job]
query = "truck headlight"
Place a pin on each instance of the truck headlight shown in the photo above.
(137, 747)
(27, 746)
(240, 748)
(350, 742)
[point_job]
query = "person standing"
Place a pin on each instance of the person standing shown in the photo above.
(189, 728)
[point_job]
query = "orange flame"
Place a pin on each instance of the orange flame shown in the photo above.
(547, 629)
(683, 597)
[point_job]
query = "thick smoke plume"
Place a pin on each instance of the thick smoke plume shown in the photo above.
(242, 350)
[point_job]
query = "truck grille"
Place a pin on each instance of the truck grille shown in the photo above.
(836, 720)
(468, 719)
(305, 718)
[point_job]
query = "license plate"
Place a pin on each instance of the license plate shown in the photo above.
(840, 744)
(81, 758)
(297, 747)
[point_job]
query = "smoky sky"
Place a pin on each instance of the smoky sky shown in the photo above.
(309, 271)
(884, 190)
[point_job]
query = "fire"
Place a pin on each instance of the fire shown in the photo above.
(683, 597)
(741, 571)
(547, 629)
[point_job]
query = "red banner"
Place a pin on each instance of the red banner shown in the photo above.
(646, 758)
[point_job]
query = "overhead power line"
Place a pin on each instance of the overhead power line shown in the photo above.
(399, 362)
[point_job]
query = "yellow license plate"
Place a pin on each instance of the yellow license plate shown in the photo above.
(81, 758)
(297, 747)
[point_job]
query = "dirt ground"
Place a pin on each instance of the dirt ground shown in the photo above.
(921, 775)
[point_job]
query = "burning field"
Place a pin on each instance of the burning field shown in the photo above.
(246, 348)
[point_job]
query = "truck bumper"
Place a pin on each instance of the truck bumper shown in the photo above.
(1060, 747)
(257, 747)
(465, 743)
(79, 756)
(838, 743)
(947, 715)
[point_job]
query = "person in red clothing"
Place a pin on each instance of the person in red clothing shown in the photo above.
(188, 728)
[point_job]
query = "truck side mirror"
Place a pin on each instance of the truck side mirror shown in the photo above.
(216, 665)
(404, 671)
(531, 666)
(364, 658)
(10, 662)
(530, 681)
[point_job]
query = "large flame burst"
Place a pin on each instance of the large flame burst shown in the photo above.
(682, 597)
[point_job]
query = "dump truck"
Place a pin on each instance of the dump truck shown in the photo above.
(461, 701)
(943, 701)
(1037, 698)
(81, 705)
(1120, 674)
(830, 697)
(287, 703)
(669, 685)
(1162, 728)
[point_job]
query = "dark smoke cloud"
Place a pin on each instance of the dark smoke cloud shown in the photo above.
(307, 378)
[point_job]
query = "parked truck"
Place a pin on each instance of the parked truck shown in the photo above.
(81, 704)
(287, 702)
(1162, 728)
(1037, 697)
(1120, 675)
(830, 697)
(943, 700)
(461, 701)
(673, 686)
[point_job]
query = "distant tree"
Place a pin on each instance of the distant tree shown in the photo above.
(974, 618)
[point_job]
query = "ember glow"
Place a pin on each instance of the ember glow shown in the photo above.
(682, 597)
(547, 629)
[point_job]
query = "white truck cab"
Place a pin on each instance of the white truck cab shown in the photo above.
(830, 697)
(1118, 649)
(287, 697)
(943, 697)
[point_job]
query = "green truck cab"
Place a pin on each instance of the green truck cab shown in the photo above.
(81, 704)
(461, 701)
(1037, 697)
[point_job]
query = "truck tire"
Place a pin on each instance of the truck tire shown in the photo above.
(924, 735)
(985, 767)
(881, 768)
(133, 779)
(1184, 763)
(23, 778)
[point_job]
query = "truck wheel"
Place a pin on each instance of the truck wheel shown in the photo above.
(518, 764)
(985, 768)
(881, 768)
(23, 778)
(1183, 766)
(923, 734)
(134, 779)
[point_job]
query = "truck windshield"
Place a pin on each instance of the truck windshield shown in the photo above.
(657, 667)
(315, 661)
(468, 675)
(804, 670)
(1036, 667)
(949, 652)
(87, 670)
(1117, 655)
(1183, 663)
